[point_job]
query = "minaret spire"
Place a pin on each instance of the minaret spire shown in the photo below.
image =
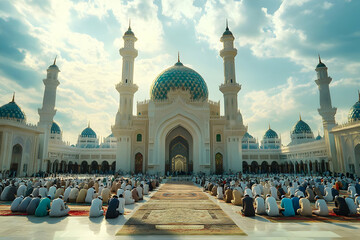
(358, 94)
(319, 58)
(55, 60)
(178, 56)
(89, 124)
(227, 24)
(13, 98)
(300, 116)
(129, 24)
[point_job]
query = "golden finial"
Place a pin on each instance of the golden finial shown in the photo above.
(178, 56)
(129, 23)
(55, 60)
(13, 98)
(319, 58)
(269, 125)
(300, 116)
(89, 124)
(227, 24)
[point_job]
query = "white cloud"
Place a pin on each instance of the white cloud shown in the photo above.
(328, 5)
(179, 10)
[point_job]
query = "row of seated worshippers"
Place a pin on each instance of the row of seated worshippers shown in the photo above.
(274, 189)
(76, 189)
(40, 206)
(126, 193)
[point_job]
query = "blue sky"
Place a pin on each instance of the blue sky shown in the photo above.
(277, 41)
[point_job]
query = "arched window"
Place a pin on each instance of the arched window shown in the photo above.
(218, 137)
(139, 137)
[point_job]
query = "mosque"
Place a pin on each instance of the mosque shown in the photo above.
(177, 130)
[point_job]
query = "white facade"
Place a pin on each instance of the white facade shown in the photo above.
(177, 130)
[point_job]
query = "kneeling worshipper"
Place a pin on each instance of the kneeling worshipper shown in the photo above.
(52, 191)
(121, 204)
(220, 193)
(248, 206)
(8, 194)
(296, 204)
(44, 206)
(112, 210)
(82, 195)
(120, 191)
(214, 191)
(128, 197)
(351, 190)
(96, 209)
(351, 205)
(328, 195)
(236, 198)
(310, 194)
(15, 204)
(58, 208)
(287, 208)
(146, 189)
(73, 194)
(305, 207)
(259, 205)
(67, 193)
(228, 195)
(43, 191)
(321, 207)
(24, 203)
(60, 191)
(105, 194)
(139, 190)
(135, 194)
(341, 208)
(31, 208)
(357, 202)
(271, 206)
(90, 195)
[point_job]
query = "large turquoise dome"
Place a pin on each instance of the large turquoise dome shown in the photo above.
(179, 77)
(301, 127)
(12, 111)
(88, 132)
(354, 113)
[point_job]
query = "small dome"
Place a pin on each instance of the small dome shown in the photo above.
(88, 132)
(227, 32)
(318, 137)
(354, 113)
(12, 111)
(270, 134)
(320, 65)
(247, 135)
(129, 32)
(179, 77)
(53, 66)
(111, 135)
(55, 128)
(301, 127)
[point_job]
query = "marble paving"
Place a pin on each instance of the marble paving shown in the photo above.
(21, 227)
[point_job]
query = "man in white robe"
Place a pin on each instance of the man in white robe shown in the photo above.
(128, 197)
(90, 195)
(15, 204)
(43, 191)
(52, 191)
(321, 209)
(67, 193)
(121, 207)
(272, 208)
(21, 191)
(96, 207)
(351, 205)
(259, 205)
(58, 208)
(140, 191)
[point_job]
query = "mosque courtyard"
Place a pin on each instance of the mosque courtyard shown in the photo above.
(177, 210)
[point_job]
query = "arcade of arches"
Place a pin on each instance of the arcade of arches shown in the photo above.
(83, 167)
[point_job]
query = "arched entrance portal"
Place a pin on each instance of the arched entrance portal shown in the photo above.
(138, 163)
(357, 158)
(219, 163)
(16, 160)
(179, 151)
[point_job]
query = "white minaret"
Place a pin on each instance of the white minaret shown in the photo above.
(47, 112)
(235, 129)
(126, 88)
(326, 111)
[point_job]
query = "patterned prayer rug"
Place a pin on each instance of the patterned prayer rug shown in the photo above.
(180, 208)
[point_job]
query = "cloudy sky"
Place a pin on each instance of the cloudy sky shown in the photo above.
(277, 41)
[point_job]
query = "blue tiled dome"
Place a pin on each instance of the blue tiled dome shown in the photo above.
(318, 137)
(129, 32)
(55, 128)
(12, 111)
(270, 134)
(354, 114)
(179, 77)
(227, 32)
(247, 135)
(88, 132)
(301, 127)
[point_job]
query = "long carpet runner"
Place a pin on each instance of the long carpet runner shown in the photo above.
(180, 208)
